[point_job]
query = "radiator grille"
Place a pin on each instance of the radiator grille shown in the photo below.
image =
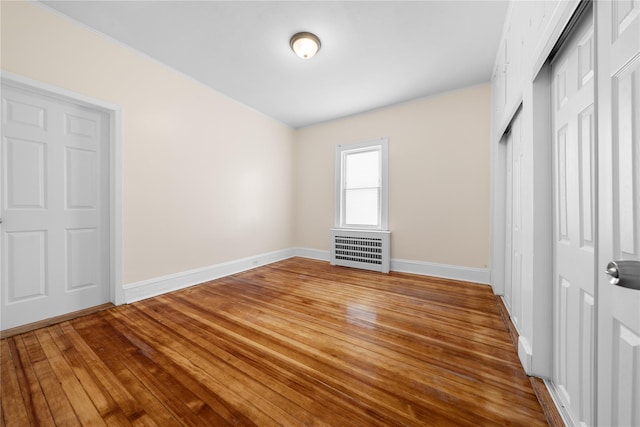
(360, 249)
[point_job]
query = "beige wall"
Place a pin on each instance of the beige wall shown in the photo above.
(206, 180)
(438, 176)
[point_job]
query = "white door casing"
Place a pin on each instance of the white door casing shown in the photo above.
(574, 222)
(55, 240)
(618, 94)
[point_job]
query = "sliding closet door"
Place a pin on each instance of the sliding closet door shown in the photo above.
(619, 211)
(513, 220)
(573, 231)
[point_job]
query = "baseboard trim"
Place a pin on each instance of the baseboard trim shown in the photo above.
(144, 289)
(317, 254)
(524, 354)
(153, 287)
(445, 271)
(423, 268)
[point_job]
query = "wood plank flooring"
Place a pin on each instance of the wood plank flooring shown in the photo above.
(295, 343)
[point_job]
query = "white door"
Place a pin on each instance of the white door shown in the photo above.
(54, 240)
(513, 233)
(574, 232)
(619, 210)
(508, 232)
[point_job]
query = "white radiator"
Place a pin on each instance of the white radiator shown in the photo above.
(369, 250)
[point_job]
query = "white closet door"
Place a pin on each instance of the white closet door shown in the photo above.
(619, 210)
(508, 232)
(514, 239)
(574, 232)
(55, 213)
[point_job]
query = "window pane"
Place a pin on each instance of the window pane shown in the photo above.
(362, 169)
(361, 207)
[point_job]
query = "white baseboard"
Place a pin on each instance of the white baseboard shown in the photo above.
(153, 287)
(455, 272)
(318, 254)
(423, 268)
(524, 354)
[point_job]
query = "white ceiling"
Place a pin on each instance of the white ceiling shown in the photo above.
(374, 53)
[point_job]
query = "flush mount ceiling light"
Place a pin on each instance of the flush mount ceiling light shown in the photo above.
(305, 45)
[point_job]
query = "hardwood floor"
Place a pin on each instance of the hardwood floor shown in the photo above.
(295, 343)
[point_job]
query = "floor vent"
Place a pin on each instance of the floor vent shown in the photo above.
(368, 250)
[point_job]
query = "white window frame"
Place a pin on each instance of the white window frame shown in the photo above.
(381, 145)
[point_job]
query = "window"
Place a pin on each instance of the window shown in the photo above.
(361, 185)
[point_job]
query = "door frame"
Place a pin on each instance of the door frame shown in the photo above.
(114, 117)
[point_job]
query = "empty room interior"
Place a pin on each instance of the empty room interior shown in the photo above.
(336, 213)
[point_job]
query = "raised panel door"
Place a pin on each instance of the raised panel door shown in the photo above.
(618, 71)
(573, 225)
(54, 243)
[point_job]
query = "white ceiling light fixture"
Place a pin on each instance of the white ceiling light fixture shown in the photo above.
(305, 44)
